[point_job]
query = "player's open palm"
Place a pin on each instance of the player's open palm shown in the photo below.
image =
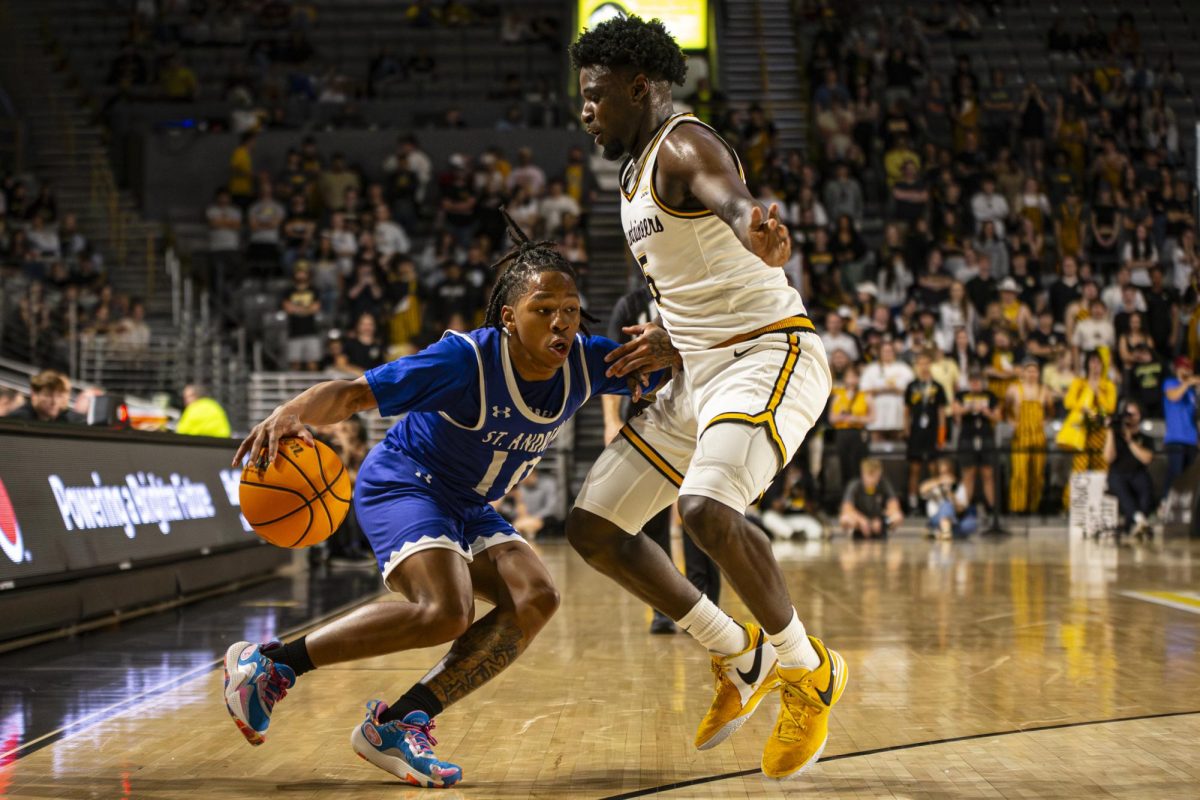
(768, 236)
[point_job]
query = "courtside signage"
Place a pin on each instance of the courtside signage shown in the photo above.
(143, 499)
(11, 542)
(88, 504)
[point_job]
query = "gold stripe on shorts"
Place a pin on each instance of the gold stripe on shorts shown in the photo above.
(657, 461)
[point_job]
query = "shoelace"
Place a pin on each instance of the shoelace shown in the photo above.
(422, 736)
(796, 718)
(273, 688)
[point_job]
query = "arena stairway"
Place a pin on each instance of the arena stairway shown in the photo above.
(759, 65)
(68, 151)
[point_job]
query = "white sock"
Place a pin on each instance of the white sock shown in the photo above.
(793, 647)
(713, 628)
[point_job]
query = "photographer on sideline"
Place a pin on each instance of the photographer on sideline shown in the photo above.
(1128, 452)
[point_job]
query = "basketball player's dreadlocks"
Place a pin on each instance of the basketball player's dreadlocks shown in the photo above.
(519, 267)
(631, 42)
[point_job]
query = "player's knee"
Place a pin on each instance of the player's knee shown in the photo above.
(588, 534)
(705, 520)
(449, 619)
(536, 606)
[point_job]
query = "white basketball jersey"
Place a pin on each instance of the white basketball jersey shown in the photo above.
(707, 285)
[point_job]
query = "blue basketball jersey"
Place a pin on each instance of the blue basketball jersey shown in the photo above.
(475, 428)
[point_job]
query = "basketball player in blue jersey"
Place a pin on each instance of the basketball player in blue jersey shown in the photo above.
(754, 380)
(482, 408)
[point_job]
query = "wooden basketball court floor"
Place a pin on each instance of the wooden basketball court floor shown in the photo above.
(1030, 667)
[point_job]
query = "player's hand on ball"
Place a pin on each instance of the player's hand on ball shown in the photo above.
(650, 349)
(263, 442)
(769, 239)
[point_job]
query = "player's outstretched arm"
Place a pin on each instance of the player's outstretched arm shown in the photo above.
(696, 166)
(323, 404)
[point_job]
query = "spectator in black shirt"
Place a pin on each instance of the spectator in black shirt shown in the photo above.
(302, 306)
(869, 504)
(981, 290)
(49, 399)
(1162, 312)
(1044, 342)
(1065, 290)
(999, 106)
(1128, 452)
(365, 294)
(924, 421)
(363, 349)
(452, 295)
(910, 197)
(976, 410)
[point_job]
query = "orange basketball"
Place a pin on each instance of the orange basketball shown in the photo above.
(299, 500)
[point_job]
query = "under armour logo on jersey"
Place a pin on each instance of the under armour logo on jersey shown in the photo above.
(505, 412)
(427, 476)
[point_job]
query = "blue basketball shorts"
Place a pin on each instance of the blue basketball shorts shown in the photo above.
(401, 513)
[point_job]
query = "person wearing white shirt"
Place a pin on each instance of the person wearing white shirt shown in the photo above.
(555, 205)
(885, 381)
(345, 245)
(836, 338)
(1187, 260)
(224, 224)
(1114, 294)
(527, 174)
(1140, 254)
(43, 239)
(954, 313)
(265, 217)
(1094, 332)
(390, 238)
(989, 206)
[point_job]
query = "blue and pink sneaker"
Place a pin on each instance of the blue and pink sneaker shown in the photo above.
(403, 748)
(253, 685)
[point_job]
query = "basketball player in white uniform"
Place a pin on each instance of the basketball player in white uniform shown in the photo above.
(753, 380)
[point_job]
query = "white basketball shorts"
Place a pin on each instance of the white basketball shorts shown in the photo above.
(722, 429)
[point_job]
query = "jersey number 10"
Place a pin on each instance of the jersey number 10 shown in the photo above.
(493, 471)
(642, 261)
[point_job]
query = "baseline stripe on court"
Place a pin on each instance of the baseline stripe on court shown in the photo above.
(743, 773)
(1181, 601)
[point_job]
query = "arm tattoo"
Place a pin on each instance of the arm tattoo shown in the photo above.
(479, 655)
(658, 342)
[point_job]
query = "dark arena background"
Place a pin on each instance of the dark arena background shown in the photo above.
(209, 206)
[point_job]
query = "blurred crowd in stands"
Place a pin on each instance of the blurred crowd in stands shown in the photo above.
(272, 69)
(981, 254)
(379, 260)
(53, 282)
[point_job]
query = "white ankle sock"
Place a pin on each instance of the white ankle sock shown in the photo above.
(713, 628)
(793, 647)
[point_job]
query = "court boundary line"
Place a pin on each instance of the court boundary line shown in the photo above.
(743, 773)
(129, 703)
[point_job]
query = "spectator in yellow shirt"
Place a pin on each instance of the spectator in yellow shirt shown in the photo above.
(177, 80)
(241, 171)
(202, 415)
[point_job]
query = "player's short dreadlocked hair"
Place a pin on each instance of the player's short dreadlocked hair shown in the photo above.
(519, 267)
(631, 42)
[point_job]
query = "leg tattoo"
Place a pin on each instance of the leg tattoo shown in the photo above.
(479, 655)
